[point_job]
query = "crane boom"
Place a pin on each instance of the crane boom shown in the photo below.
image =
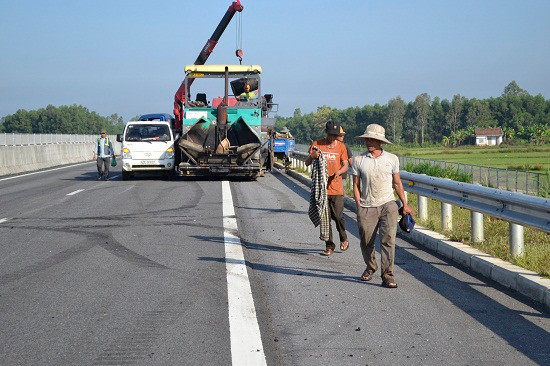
(179, 97)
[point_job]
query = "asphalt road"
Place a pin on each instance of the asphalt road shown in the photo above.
(135, 273)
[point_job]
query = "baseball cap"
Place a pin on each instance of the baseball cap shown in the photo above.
(333, 128)
(407, 223)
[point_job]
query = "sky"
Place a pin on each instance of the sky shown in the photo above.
(127, 57)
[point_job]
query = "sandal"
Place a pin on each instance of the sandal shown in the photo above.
(344, 245)
(366, 276)
(327, 252)
(389, 284)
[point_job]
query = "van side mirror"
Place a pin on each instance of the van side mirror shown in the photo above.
(119, 137)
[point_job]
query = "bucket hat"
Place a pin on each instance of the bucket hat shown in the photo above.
(407, 223)
(103, 130)
(374, 131)
(333, 128)
(284, 129)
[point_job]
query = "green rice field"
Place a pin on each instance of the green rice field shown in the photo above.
(531, 158)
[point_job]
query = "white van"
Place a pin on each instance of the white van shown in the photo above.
(147, 146)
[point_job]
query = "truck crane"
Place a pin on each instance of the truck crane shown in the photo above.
(180, 96)
(229, 135)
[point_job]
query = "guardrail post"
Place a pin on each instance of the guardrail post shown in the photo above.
(422, 207)
(516, 240)
(446, 216)
(476, 220)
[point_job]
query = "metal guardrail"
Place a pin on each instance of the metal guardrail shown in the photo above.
(25, 139)
(513, 180)
(516, 208)
(508, 179)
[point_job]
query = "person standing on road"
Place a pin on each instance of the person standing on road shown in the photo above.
(103, 152)
(337, 163)
(350, 154)
(375, 177)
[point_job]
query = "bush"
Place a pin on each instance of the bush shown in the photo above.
(437, 171)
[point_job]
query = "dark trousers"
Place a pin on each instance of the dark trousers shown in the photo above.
(336, 207)
(103, 165)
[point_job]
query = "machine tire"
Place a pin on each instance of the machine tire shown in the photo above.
(125, 175)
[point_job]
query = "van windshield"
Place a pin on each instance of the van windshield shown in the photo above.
(147, 132)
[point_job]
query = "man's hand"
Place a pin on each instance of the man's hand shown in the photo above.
(314, 154)
(94, 157)
(407, 209)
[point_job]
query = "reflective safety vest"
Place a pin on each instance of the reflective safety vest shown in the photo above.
(108, 148)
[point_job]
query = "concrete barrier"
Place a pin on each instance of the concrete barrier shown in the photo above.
(21, 159)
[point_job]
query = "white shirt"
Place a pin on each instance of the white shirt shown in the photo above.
(376, 177)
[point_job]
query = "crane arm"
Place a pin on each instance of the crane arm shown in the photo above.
(179, 97)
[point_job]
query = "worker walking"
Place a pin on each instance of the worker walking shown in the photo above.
(103, 152)
(375, 177)
(336, 156)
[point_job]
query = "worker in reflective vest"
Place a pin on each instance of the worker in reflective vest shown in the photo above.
(103, 152)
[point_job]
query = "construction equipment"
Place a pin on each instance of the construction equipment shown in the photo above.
(224, 136)
(179, 97)
(229, 135)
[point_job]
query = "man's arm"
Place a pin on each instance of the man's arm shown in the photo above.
(342, 170)
(357, 190)
(398, 186)
(313, 154)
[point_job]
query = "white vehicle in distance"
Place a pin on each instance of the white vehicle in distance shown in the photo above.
(147, 147)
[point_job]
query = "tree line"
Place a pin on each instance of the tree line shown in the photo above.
(523, 118)
(74, 119)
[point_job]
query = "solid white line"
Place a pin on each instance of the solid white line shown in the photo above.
(75, 192)
(246, 341)
(3, 220)
(43, 171)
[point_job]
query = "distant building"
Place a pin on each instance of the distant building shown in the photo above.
(488, 136)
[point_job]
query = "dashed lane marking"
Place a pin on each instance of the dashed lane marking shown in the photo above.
(75, 192)
(246, 341)
(3, 220)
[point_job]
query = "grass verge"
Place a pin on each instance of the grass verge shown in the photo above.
(536, 242)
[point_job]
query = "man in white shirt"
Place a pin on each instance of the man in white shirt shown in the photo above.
(375, 176)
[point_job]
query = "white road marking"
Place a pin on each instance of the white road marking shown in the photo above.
(3, 220)
(75, 192)
(43, 171)
(246, 341)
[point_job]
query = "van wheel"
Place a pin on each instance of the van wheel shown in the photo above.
(125, 175)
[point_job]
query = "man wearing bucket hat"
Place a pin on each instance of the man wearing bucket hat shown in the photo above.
(103, 152)
(375, 177)
(284, 133)
(337, 164)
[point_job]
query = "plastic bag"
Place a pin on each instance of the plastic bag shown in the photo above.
(113, 161)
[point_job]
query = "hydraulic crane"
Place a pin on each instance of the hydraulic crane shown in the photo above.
(179, 97)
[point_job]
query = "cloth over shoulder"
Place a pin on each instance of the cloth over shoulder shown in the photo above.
(318, 206)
